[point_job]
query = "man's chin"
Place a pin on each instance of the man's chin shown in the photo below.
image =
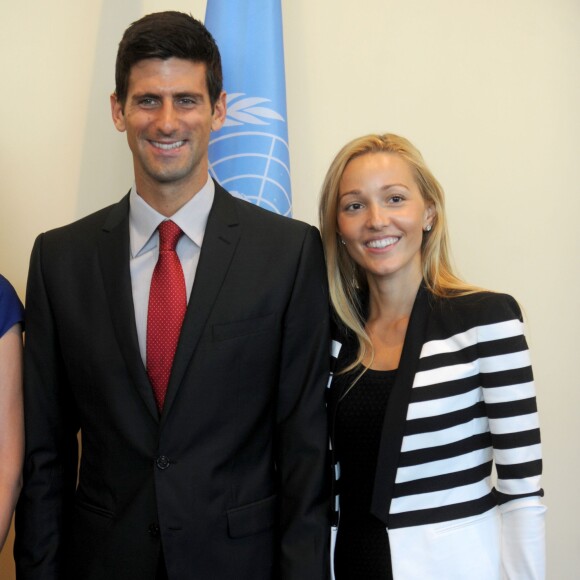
(165, 177)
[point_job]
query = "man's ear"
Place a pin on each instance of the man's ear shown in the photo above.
(219, 112)
(117, 113)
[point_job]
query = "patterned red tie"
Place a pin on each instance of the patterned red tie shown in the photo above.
(167, 305)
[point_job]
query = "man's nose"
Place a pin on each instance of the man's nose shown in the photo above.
(167, 118)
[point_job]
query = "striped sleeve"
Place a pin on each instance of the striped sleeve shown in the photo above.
(509, 394)
(472, 405)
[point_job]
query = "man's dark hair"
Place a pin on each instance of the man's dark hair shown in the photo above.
(165, 35)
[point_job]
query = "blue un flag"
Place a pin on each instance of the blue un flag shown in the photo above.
(249, 156)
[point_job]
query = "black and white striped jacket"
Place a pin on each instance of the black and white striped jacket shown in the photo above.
(463, 400)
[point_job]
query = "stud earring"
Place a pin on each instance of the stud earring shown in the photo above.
(342, 242)
(428, 227)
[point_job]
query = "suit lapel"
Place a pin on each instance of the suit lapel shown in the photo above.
(219, 244)
(113, 248)
(396, 413)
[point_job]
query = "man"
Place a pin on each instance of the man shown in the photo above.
(211, 464)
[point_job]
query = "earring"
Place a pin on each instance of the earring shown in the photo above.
(342, 242)
(428, 227)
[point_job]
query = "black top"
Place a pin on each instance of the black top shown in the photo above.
(362, 546)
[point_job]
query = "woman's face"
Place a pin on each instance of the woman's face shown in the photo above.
(381, 216)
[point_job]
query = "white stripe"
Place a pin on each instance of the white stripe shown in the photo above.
(514, 424)
(461, 340)
(452, 344)
(505, 362)
(335, 348)
(445, 436)
(509, 393)
(445, 497)
(436, 407)
(518, 486)
(444, 374)
(500, 330)
(444, 466)
(517, 455)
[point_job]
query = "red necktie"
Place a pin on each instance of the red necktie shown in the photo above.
(167, 305)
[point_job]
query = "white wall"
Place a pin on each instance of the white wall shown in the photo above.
(489, 91)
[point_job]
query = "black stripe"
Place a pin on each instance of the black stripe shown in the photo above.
(502, 346)
(504, 497)
(511, 408)
(441, 482)
(445, 421)
(446, 389)
(420, 456)
(507, 378)
(442, 514)
(472, 353)
(519, 470)
(514, 440)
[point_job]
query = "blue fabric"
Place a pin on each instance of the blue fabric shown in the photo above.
(11, 309)
(249, 155)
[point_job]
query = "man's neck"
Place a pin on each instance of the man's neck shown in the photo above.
(169, 198)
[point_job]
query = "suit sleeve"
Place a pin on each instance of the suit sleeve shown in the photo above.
(510, 401)
(50, 467)
(302, 435)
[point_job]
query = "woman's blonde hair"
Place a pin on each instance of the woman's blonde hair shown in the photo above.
(347, 281)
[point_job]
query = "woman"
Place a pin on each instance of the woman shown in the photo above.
(433, 385)
(11, 421)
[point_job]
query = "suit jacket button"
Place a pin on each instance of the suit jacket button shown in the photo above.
(154, 530)
(162, 462)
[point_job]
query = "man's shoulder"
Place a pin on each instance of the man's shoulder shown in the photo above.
(253, 216)
(94, 222)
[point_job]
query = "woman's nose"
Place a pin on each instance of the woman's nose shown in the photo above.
(377, 217)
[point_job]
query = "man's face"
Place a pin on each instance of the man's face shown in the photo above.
(168, 119)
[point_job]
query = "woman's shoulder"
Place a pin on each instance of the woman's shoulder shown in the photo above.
(11, 310)
(478, 308)
(7, 291)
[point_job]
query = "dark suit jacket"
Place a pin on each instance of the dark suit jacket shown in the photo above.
(230, 479)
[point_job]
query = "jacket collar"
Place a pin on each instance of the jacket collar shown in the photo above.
(396, 414)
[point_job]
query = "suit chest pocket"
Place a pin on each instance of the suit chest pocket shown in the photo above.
(241, 329)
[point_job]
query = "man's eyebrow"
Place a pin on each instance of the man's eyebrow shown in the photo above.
(146, 95)
(178, 95)
(193, 94)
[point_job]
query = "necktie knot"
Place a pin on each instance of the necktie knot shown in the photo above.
(169, 234)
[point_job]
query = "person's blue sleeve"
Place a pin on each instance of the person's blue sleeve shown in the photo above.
(11, 309)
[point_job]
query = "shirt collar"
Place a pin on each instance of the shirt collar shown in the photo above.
(191, 218)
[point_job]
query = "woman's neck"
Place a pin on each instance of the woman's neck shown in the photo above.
(390, 300)
(390, 306)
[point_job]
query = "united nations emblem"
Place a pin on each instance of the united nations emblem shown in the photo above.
(249, 156)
